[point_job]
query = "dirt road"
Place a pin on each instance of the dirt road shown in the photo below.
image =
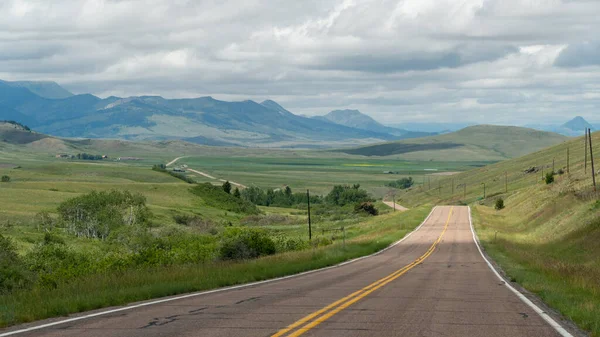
(173, 161)
(211, 177)
(204, 174)
(434, 283)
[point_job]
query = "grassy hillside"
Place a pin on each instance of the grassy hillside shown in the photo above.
(481, 142)
(546, 238)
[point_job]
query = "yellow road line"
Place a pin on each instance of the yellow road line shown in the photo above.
(345, 302)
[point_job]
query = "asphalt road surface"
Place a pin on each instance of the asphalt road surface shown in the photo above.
(434, 283)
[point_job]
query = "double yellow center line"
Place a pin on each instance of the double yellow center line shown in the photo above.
(327, 312)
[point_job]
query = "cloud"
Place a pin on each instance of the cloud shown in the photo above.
(398, 60)
(580, 55)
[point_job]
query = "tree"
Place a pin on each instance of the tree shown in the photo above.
(236, 193)
(5, 179)
(499, 204)
(342, 195)
(288, 192)
(227, 187)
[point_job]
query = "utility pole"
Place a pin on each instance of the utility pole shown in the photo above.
(592, 159)
(568, 159)
(309, 225)
(394, 201)
(452, 187)
(483, 190)
(465, 191)
(585, 141)
(429, 179)
(553, 165)
(505, 181)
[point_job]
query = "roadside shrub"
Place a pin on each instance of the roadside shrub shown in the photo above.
(549, 178)
(245, 243)
(96, 214)
(561, 172)
(13, 271)
(499, 204)
(5, 179)
(285, 244)
(366, 207)
(55, 262)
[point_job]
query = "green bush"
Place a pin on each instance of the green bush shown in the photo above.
(284, 244)
(403, 183)
(241, 243)
(96, 214)
(13, 271)
(549, 178)
(5, 179)
(499, 204)
(55, 263)
(366, 207)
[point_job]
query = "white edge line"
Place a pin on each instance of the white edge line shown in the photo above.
(562, 331)
(247, 285)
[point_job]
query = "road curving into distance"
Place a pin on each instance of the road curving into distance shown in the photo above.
(434, 283)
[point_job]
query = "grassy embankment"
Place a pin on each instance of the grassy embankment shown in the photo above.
(546, 238)
(116, 288)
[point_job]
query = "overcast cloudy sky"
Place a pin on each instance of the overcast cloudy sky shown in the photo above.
(494, 61)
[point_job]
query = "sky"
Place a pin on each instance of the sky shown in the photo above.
(482, 61)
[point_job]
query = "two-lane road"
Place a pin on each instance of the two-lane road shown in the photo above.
(434, 283)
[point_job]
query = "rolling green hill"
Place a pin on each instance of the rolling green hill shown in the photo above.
(546, 238)
(481, 142)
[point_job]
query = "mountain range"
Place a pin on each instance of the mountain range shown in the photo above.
(48, 108)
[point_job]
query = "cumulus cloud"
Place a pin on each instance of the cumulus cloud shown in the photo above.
(494, 61)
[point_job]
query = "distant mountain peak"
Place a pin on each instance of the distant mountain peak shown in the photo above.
(356, 119)
(577, 124)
